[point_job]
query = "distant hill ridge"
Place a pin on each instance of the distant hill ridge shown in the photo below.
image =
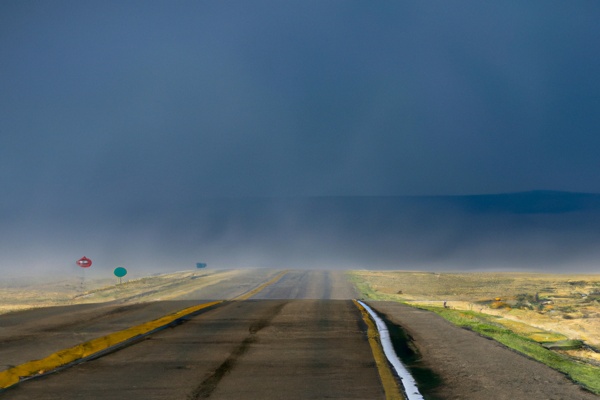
(531, 202)
(535, 229)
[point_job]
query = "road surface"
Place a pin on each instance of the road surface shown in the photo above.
(301, 345)
(300, 338)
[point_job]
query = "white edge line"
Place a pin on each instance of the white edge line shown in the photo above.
(410, 386)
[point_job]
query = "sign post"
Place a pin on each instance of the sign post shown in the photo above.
(84, 263)
(120, 272)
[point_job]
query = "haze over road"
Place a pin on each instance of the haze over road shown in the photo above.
(309, 347)
(299, 338)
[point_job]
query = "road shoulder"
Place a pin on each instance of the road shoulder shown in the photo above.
(475, 367)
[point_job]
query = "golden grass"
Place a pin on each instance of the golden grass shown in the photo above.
(540, 307)
(71, 291)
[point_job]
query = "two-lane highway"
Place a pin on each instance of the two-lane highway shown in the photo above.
(298, 345)
(300, 337)
(310, 284)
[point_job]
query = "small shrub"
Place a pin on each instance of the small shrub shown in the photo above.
(499, 304)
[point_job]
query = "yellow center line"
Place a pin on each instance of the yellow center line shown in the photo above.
(13, 375)
(251, 293)
(390, 385)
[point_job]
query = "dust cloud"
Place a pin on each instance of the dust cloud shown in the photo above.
(534, 231)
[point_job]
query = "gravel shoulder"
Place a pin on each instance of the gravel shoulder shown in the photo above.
(473, 367)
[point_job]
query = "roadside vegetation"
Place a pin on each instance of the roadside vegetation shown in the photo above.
(553, 319)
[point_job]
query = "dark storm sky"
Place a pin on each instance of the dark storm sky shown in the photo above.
(133, 104)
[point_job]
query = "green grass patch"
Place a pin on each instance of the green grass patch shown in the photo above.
(367, 292)
(531, 332)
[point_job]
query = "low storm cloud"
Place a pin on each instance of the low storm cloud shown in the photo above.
(254, 133)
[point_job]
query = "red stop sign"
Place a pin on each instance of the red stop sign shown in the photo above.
(84, 262)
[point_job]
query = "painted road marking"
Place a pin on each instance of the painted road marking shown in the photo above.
(251, 293)
(408, 382)
(86, 350)
(103, 345)
(390, 385)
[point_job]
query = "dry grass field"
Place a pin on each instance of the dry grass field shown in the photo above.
(541, 307)
(24, 294)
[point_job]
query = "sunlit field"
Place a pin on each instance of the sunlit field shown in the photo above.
(21, 294)
(552, 309)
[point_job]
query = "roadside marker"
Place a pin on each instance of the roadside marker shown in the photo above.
(120, 272)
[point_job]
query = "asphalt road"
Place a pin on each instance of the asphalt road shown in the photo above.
(38, 332)
(292, 341)
(300, 338)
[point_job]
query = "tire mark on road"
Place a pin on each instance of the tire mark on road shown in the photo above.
(87, 320)
(208, 385)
